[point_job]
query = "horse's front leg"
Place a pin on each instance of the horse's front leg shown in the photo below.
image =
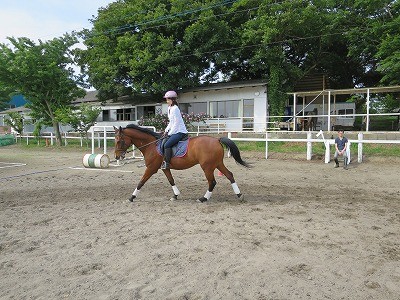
(147, 174)
(171, 180)
(211, 184)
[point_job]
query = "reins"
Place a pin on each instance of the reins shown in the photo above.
(143, 145)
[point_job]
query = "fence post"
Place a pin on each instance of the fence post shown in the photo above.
(51, 139)
(309, 146)
(105, 140)
(65, 139)
(266, 145)
(360, 146)
(327, 152)
(92, 140)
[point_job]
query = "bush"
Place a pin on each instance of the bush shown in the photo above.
(160, 121)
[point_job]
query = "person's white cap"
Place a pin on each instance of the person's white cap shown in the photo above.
(171, 94)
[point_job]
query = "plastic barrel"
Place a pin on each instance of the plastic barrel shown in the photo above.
(96, 161)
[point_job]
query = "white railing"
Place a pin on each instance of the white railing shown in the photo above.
(100, 134)
(309, 140)
(49, 137)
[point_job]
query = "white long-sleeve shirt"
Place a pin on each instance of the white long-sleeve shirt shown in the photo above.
(176, 123)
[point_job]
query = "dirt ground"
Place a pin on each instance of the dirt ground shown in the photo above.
(304, 231)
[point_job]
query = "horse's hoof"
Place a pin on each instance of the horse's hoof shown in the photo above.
(202, 200)
(173, 198)
(132, 198)
(241, 197)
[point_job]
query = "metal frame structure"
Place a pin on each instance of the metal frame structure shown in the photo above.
(332, 92)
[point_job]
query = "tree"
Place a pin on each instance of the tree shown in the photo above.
(388, 52)
(15, 121)
(374, 40)
(151, 46)
(80, 118)
(4, 98)
(43, 73)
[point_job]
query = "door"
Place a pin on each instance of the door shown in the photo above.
(248, 114)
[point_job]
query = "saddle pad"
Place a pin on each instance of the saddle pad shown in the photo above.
(179, 150)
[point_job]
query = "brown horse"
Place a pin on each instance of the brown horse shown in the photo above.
(204, 150)
(312, 121)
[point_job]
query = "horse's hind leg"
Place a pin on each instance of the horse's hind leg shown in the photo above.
(209, 172)
(171, 180)
(228, 174)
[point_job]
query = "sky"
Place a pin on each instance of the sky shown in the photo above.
(46, 19)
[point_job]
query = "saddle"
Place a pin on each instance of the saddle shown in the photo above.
(179, 150)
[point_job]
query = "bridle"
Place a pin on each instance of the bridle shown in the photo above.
(124, 146)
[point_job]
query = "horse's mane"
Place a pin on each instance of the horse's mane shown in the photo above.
(144, 130)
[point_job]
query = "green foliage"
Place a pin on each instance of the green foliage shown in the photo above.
(38, 129)
(80, 119)
(160, 121)
(16, 121)
(42, 73)
(151, 46)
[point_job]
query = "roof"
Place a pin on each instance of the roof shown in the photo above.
(371, 90)
(312, 82)
(225, 85)
(91, 96)
(15, 109)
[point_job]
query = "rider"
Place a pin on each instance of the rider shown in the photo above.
(176, 129)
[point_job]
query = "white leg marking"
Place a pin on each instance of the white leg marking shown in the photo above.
(235, 188)
(176, 190)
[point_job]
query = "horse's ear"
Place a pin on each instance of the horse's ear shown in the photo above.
(120, 128)
(115, 129)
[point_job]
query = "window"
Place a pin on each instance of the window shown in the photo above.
(224, 109)
(248, 108)
(198, 108)
(345, 113)
(125, 114)
(106, 115)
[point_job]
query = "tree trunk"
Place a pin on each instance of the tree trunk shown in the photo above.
(57, 133)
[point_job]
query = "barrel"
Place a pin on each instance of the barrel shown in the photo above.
(96, 161)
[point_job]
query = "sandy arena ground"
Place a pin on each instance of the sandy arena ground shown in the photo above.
(304, 231)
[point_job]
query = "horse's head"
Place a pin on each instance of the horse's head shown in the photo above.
(122, 143)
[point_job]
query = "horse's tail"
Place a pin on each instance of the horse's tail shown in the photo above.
(234, 151)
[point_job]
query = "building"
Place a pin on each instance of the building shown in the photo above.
(232, 106)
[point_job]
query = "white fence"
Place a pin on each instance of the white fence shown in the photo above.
(310, 140)
(101, 134)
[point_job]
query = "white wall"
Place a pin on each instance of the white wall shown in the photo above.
(257, 93)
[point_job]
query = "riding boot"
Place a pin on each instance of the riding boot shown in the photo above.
(336, 163)
(167, 158)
